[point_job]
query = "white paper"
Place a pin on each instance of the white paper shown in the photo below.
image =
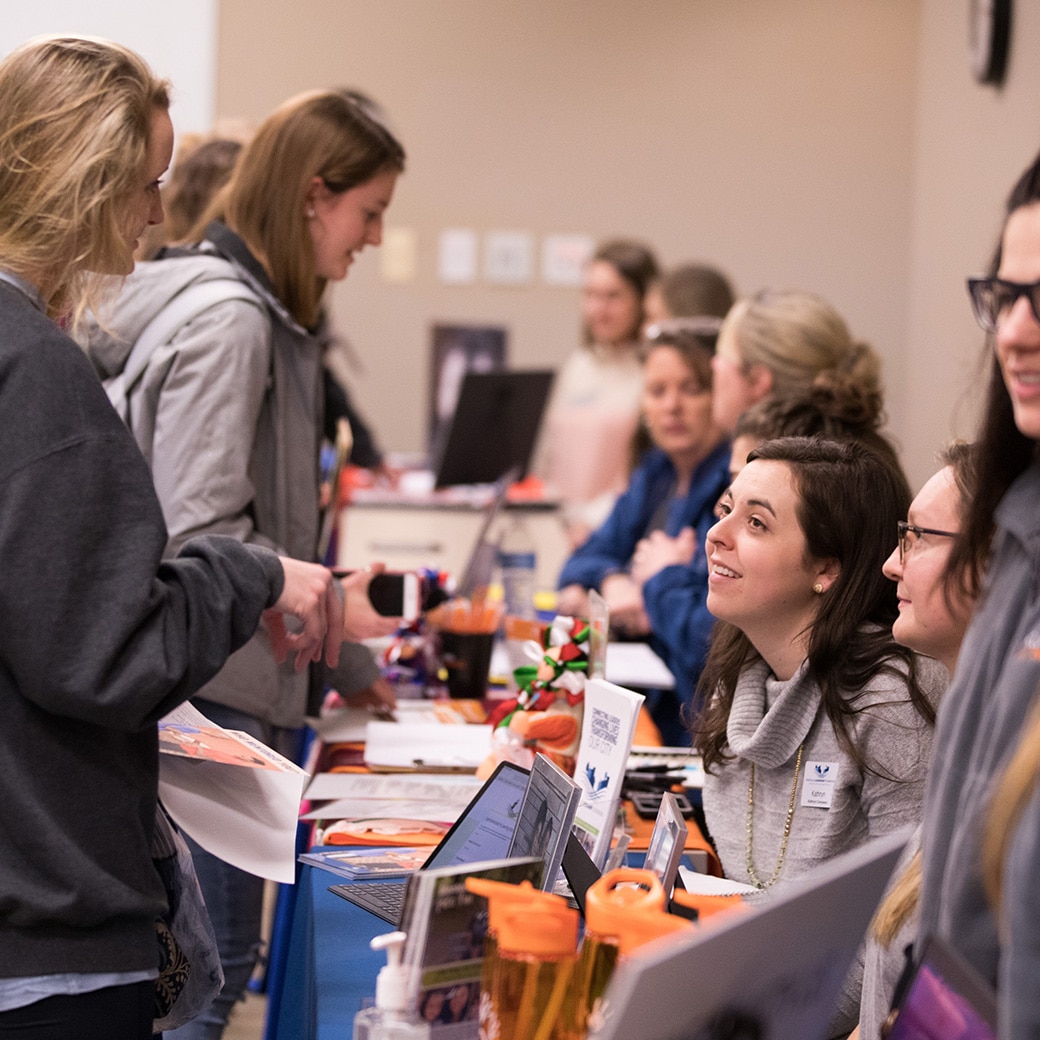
(457, 256)
(401, 745)
(445, 810)
(508, 257)
(709, 885)
(243, 812)
(607, 729)
(392, 785)
(635, 664)
(346, 726)
(564, 258)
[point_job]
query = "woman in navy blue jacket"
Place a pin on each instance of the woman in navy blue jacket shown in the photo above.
(673, 490)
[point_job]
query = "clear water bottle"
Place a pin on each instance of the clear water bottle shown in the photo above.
(516, 558)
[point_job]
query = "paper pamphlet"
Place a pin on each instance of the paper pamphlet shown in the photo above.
(367, 863)
(607, 729)
(349, 725)
(234, 795)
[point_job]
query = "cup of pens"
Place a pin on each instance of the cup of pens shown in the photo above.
(466, 636)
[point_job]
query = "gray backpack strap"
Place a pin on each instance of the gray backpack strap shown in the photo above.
(183, 308)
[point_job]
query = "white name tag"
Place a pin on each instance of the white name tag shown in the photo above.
(818, 784)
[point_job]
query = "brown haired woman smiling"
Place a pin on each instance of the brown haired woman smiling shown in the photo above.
(818, 728)
(229, 409)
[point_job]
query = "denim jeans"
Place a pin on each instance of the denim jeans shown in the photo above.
(234, 898)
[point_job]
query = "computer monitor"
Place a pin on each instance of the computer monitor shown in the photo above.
(494, 427)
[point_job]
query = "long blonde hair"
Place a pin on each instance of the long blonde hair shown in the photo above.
(1015, 789)
(797, 336)
(318, 134)
(75, 118)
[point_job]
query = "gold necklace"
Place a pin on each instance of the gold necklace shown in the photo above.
(752, 873)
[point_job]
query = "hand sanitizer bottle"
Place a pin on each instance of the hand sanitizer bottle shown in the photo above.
(392, 1017)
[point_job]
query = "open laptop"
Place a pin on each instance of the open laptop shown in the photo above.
(773, 971)
(494, 427)
(483, 832)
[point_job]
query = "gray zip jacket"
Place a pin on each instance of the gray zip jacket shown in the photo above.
(997, 679)
(228, 415)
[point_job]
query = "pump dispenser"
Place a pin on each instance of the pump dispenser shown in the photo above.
(392, 1018)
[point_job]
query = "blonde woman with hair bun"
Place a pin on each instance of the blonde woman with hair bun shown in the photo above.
(776, 343)
(99, 635)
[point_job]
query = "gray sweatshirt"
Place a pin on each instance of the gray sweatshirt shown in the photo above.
(838, 805)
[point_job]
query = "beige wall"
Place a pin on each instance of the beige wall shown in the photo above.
(838, 147)
(972, 142)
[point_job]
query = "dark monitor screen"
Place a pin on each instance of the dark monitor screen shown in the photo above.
(494, 427)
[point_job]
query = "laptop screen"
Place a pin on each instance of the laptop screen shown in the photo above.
(485, 829)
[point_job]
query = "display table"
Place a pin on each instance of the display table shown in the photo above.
(328, 968)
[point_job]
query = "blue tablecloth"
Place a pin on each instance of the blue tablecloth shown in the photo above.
(327, 965)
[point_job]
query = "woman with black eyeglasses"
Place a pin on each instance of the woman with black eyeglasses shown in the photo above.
(998, 672)
(933, 616)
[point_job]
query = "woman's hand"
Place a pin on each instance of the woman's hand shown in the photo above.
(361, 620)
(659, 550)
(310, 596)
(378, 698)
(625, 600)
(573, 601)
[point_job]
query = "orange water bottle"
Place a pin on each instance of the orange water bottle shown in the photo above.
(537, 953)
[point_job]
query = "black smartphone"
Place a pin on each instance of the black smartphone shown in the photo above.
(396, 594)
(647, 803)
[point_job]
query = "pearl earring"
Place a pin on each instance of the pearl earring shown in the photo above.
(818, 589)
(310, 214)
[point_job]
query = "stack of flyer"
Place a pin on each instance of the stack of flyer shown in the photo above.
(234, 795)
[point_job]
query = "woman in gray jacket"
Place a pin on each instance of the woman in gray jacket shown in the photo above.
(229, 409)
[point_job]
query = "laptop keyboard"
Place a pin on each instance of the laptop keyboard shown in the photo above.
(386, 898)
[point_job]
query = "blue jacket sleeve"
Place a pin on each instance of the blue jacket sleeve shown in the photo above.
(675, 603)
(609, 548)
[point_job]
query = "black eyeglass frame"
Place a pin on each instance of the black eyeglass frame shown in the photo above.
(903, 529)
(981, 288)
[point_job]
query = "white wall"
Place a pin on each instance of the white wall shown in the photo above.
(179, 42)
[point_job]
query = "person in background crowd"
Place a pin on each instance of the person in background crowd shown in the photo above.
(674, 489)
(834, 407)
(687, 291)
(817, 729)
(100, 635)
(583, 453)
(777, 342)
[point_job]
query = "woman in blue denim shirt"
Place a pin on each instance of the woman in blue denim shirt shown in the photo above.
(674, 491)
